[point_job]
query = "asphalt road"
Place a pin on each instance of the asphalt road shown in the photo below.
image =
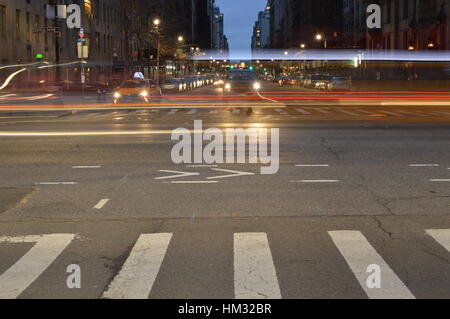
(359, 185)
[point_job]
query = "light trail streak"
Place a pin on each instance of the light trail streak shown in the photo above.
(10, 77)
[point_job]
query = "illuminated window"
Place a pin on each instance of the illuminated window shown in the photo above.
(88, 8)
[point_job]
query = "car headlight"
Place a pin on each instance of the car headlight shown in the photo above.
(256, 86)
(228, 86)
(117, 95)
(144, 94)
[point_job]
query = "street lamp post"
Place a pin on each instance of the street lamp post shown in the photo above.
(180, 43)
(156, 24)
(320, 37)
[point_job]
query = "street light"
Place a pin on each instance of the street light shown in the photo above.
(302, 45)
(156, 23)
(180, 39)
(320, 37)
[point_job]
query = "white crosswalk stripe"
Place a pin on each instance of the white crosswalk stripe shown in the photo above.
(347, 112)
(302, 111)
(443, 113)
(412, 113)
(323, 111)
(442, 236)
(254, 272)
(391, 113)
(282, 112)
(135, 279)
(361, 256)
(28, 268)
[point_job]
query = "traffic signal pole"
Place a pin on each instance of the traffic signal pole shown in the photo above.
(57, 44)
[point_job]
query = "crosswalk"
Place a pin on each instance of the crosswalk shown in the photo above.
(293, 112)
(255, 267)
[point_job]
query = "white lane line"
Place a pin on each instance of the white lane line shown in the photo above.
(359, 255)
(312, 181)
(423, 165)
(439, 180)
(192, 112)
(347, 112)
(56, 183)
(135, 279)
(85, 167)
(442, 236)
(312, 165)
(178, 174)
(213, 112)
(101, 204)
(194, 182)
(232, 172)
(302, 111)
(28, 268)
(391, 113)
(254, 271)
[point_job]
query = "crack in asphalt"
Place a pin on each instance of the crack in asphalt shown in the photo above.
(324, 144)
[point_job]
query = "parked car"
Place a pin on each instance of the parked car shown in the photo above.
(339, 83)
(172, 85)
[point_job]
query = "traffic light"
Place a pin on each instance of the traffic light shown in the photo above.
(251, 68)
(39, 57)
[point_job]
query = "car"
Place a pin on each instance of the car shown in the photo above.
(135, 90)
(241, 81)
(339, 83)
(172, 85)
(190, 82)
(315, 81)
(322, 82)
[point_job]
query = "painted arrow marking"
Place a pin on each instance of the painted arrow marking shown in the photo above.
(233, 173)
(179, 174)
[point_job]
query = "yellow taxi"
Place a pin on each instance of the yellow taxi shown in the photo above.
(135, 90)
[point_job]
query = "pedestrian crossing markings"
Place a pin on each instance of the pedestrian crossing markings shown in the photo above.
(255, 274)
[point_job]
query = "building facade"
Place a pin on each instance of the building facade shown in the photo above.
(261, 30)
(295, 24)
(413, 25)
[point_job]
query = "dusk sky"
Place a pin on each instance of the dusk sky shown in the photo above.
(240, 16)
